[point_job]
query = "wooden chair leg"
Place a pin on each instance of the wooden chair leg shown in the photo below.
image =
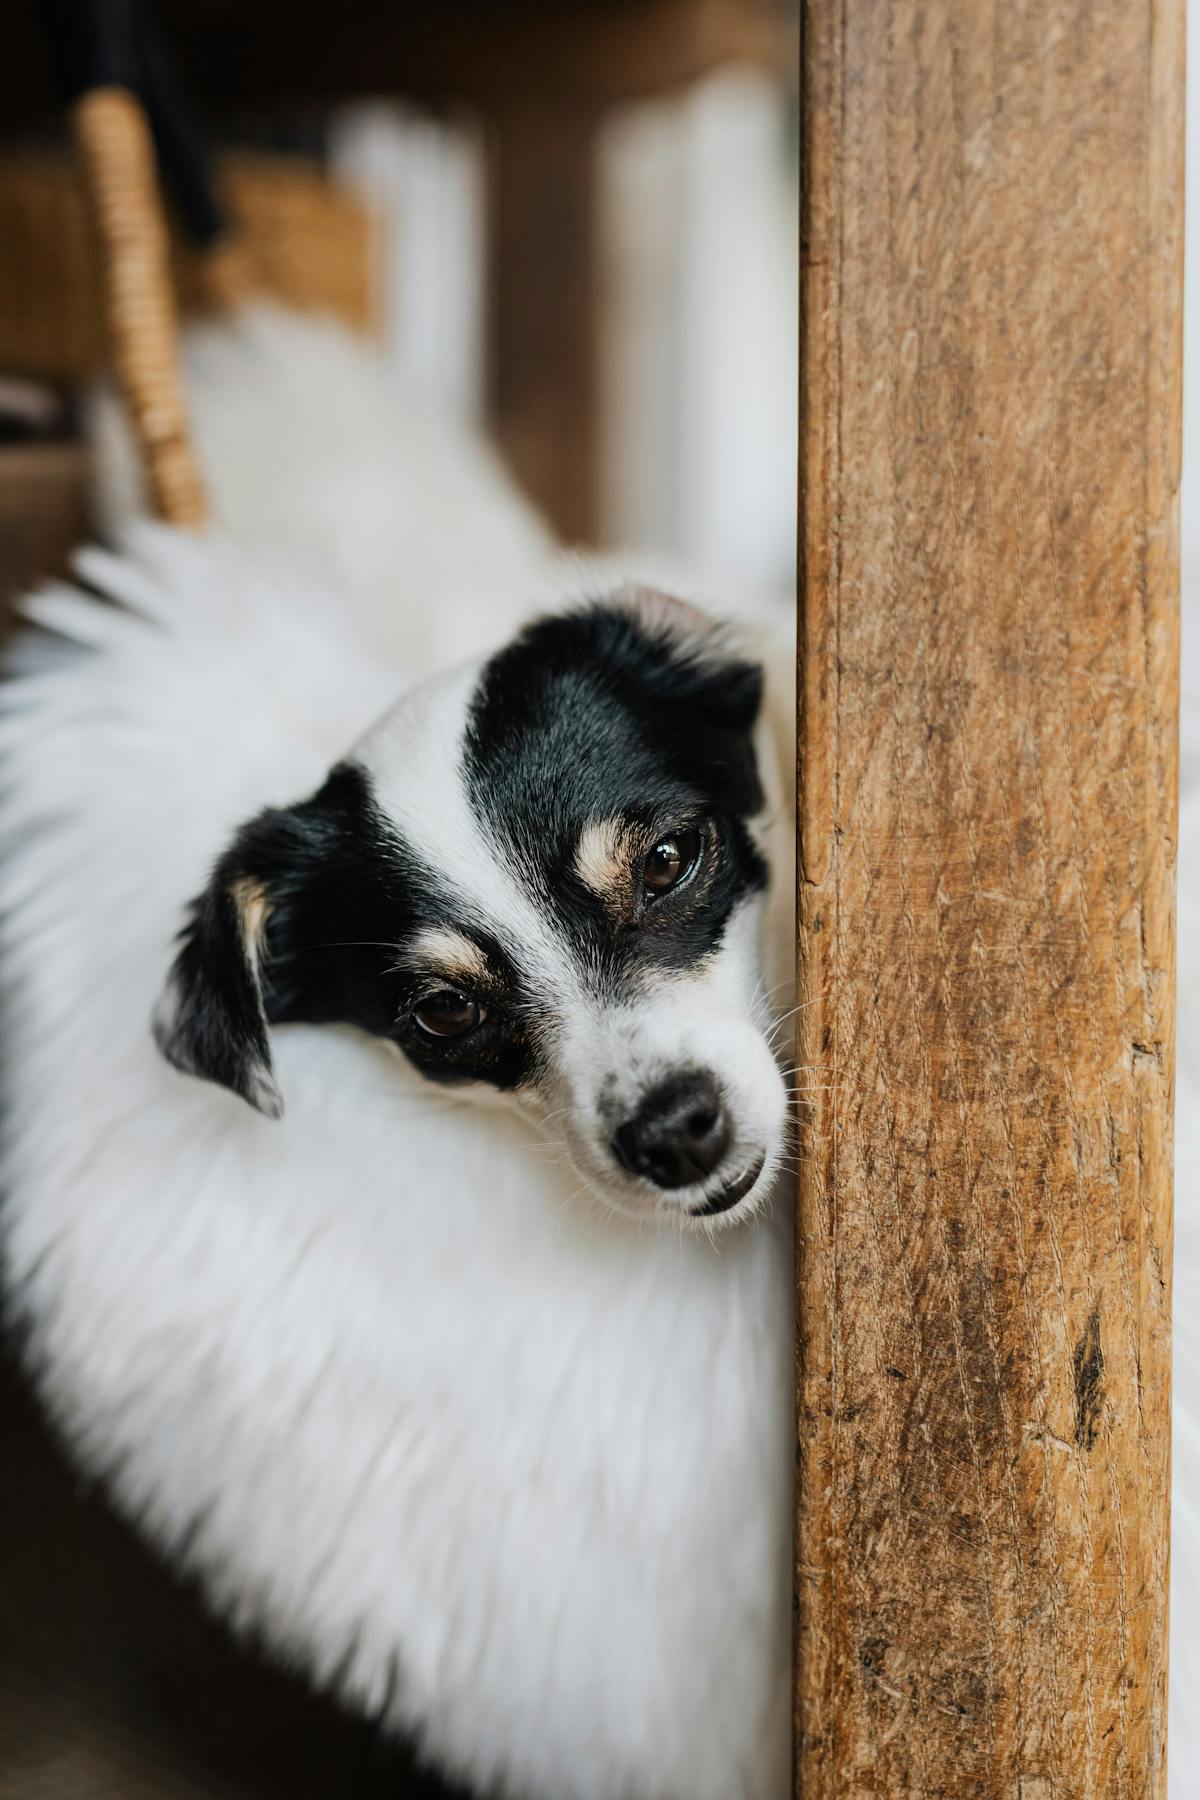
(991, 316)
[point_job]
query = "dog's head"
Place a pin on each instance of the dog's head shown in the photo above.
(545, 875)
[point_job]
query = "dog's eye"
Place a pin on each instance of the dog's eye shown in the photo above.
(671, 859)
(447, 1014)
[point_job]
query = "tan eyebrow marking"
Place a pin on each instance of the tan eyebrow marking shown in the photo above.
(452, 952)
(602, 859)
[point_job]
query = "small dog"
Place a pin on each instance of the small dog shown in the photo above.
(467, 1380)
(545, 876)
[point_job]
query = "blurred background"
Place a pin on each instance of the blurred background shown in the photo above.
(572, 225)
(696, 208)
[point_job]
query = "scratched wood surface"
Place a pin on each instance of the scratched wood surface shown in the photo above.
(991, 307)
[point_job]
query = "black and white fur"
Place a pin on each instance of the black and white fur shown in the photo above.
(487, 841)
(436, 1382)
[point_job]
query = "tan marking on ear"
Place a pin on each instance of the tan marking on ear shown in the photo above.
(602, 861)
(254, 909)
(451, 952)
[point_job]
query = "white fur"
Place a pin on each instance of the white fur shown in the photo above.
(511, 1470)
(609, 1057)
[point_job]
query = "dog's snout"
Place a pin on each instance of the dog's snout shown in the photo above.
(679, 1133)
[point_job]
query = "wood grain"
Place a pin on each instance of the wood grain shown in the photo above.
(991, 309)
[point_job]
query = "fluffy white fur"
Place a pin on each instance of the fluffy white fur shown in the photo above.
(508, 1469)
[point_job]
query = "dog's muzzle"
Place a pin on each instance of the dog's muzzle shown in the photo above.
(680, 1133)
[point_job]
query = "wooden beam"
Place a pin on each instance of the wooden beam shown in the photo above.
(529, 52)
(991, 312)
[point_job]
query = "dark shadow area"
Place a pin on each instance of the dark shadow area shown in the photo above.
(115, 1682)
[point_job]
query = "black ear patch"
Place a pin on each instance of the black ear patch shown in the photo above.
(636, 693)
(683, 656)
(212, 1019)
(293, 925)
(636, 710)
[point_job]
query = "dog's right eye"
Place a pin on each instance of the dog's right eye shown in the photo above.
(447, 1014)
(670, 862)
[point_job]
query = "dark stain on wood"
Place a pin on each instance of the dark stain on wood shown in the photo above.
(1089, 1383)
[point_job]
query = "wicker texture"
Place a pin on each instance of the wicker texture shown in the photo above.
(117, 157)
(298, 237)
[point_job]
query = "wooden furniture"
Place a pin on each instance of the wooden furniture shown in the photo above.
(991, 312)
(43, 514)
(541, 75)
(300, 238)
(484, 53)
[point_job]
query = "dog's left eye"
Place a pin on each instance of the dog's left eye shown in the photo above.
(672, 859)
(447, 1014)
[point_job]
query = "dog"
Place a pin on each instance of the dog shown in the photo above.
(456, 1363)
(543, 876)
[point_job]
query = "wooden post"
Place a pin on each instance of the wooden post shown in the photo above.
(991, 312)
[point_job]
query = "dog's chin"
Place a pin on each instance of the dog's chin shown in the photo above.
(729, 1198)
(699, 1211)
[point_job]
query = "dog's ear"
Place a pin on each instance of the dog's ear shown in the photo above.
(660, 612)
(299, 923)
(695, 660)
(211, 1019)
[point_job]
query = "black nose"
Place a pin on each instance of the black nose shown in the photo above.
(678, 1134)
